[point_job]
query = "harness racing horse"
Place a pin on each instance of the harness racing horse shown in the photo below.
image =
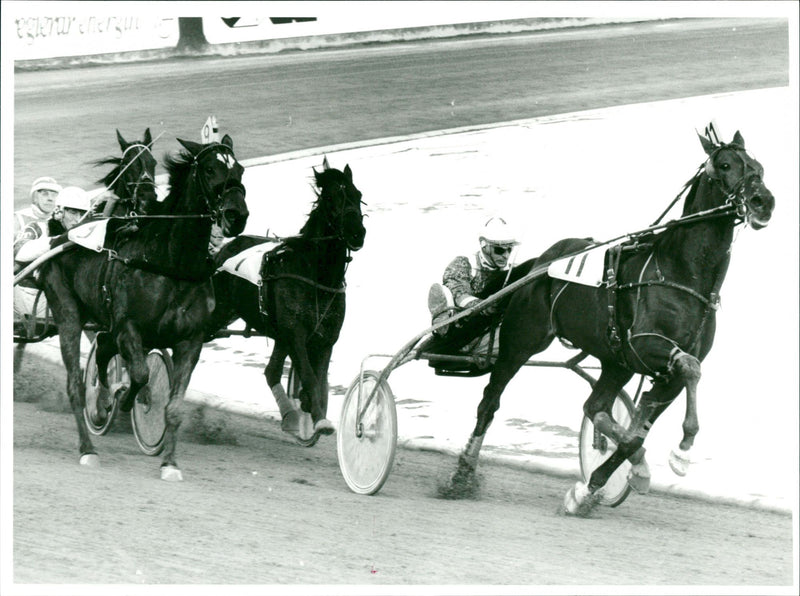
(132, 180)
(654, 315)
(149, 289)
(301, 302)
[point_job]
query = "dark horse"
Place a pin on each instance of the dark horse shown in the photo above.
(654, 316)
(301, 302)
(150, 288)
(132, 180)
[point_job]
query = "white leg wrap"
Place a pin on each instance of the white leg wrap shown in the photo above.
(285, 404)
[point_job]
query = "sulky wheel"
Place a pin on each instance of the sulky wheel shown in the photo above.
(148, 415)
(596, 448)
(102, 404)
(366, 445)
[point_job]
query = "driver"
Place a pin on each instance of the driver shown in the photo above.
(71, 205)
(33, 241)
(468, 279)
(44, 191)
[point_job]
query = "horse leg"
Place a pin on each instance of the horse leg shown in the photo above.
(321, 362)
(129, 345)
(290, 417)
(185, 355)
(687, 368)
(519, 340)
(308, 395)
(630, 447)
(67, 318)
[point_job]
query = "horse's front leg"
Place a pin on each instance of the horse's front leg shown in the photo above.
(290, 416)
(309, 396)
(687, 368)
(185, 355)
(130, 347)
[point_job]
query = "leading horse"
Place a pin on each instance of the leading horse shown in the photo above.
(301, 302)
(150, 288)
(654, 315)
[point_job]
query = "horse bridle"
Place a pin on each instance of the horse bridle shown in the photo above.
(224, 153)
(342, 214)
(735, 194)
(144, 179)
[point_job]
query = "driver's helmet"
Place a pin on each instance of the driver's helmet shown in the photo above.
(73, 197)
(44, 183)
(496, 232)
(497, 240)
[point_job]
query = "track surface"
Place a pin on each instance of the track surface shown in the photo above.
(256, 508)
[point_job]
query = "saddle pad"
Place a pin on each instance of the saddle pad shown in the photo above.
(586, 268)
(247, 264)
(91, 235)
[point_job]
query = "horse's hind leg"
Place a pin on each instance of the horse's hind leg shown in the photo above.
(290, 417)
(65, 313)
(525, 331)
(185, 355)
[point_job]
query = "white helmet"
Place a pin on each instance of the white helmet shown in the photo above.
(44, 183)
(73, 197)
(497, 232)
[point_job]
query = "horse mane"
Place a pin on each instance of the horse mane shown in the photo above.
(688, 202)
(178, 168)
(109, 178)
(318, 184)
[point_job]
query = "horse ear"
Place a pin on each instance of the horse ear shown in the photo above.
(123, 144)
(325, 165)
(738, 139)
(708, 146)
(348, 173)
(148, 140)
(227, 141)
(191, 146)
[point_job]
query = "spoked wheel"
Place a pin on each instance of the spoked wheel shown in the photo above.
(293, 391)
(366, 446)
(148, 415)
(101, 404)
(595, 448)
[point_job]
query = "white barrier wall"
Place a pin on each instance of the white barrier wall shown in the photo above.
(51, 32)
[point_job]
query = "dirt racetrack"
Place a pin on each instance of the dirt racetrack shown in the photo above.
(255, 508)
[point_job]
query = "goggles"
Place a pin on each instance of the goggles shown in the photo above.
(501, 250)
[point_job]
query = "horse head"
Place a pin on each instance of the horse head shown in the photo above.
(341, 202)
(133, 178)
(218, 176)
(740, 179)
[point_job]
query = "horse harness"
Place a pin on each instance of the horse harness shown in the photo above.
(266, 295)
(711, 304)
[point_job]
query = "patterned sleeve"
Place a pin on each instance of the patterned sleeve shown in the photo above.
(30, 232)
(457, 278)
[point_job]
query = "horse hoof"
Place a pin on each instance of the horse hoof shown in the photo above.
(679, 461)
(291, 423)
(639, 479)
(90, 460)
(171, 474)
(580, 501)
(324, 427)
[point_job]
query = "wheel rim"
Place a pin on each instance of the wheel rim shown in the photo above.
(148, 415)
(616, 489)
(95, 392)
(366, 454)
